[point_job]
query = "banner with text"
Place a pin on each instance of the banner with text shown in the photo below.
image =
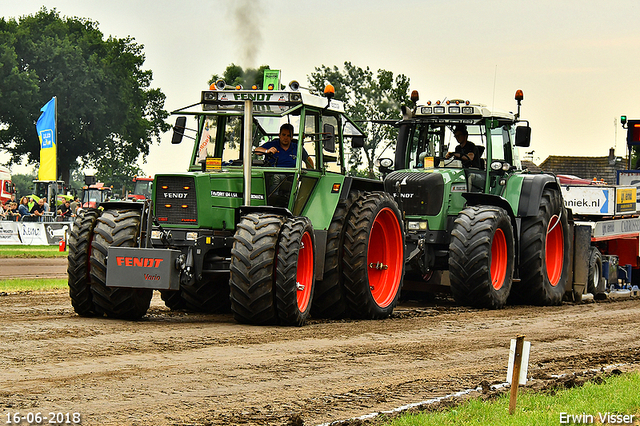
(46, 128)
(9, 232)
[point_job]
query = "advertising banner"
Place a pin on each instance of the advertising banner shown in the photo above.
(56, 232)
(589, 200)
(9, 233)
(631, 178)
(32, 234)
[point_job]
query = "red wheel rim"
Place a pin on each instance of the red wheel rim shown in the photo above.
(498, 259)
(304, 272)
(554, 250)
(385, 257)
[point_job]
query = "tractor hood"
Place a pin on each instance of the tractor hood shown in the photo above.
(192, 199)
(418, 193)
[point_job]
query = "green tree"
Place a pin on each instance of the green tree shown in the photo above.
(234, 75)
(368, 96)
(113, 172)
(23, 184)
(104, 95)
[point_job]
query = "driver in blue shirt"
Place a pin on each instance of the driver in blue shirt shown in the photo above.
(284, 148)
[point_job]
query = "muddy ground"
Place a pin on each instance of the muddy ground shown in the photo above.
(175, 368)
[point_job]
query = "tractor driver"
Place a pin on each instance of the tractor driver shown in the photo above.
(466, 151)
(284, 148)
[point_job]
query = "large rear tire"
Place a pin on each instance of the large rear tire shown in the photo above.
(329, 299)
(253, 259)
(78, 266)
(117, 228)
(373, 261)
(481, 257)
(544, 258)
(295, 277)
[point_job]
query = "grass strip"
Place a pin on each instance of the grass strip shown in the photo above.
(15, 285)
(31, 251)
(604, 403)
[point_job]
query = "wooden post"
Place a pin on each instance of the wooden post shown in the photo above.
(515, 378)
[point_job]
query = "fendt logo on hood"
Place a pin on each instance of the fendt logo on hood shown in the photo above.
(175, 194)
(141, 262)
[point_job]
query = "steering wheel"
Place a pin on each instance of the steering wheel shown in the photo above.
(270, 159)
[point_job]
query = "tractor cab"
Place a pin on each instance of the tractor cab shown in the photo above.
(225, 115)
(427, 140)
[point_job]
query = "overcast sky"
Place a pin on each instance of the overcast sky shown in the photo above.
(576, 61)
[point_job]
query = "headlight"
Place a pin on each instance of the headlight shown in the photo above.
(155, 234)
(438, 110)
(192, 236)
(454, 110)
(386, 162)
(426, 110)
(417, 226)
(467, 110)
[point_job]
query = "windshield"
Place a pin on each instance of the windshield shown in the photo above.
(143, 187)
(429, 143)
(221, 136)
(90, 195)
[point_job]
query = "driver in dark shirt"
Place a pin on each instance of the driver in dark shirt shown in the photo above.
(466, 151)
(284, 149)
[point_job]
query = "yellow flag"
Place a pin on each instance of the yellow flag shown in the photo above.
(46, 128)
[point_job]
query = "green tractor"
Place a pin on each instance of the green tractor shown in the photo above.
(487, 230)
(273, 244)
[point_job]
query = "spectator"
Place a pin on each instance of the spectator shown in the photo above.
(38, 209)
(13, 213)
(3, 209)
(65, 210)
(74, 206)
(23, 208)
(30, 203)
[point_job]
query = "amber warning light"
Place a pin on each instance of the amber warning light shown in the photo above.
(633, 132)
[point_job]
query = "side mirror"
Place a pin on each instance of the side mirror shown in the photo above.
(523, 136)
(178, 130)
(357, 142)
(329, 137)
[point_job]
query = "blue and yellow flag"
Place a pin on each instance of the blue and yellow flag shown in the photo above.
(46, 128)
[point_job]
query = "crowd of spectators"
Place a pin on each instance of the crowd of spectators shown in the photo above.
(30, 210)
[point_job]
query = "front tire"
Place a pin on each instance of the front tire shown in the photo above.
(253, 259)
(373, 261)
(481, 257)
(544, 259)
(295, 277)
(117, 228)
(78, 266)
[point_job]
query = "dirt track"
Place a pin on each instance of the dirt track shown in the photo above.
(178, 368)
